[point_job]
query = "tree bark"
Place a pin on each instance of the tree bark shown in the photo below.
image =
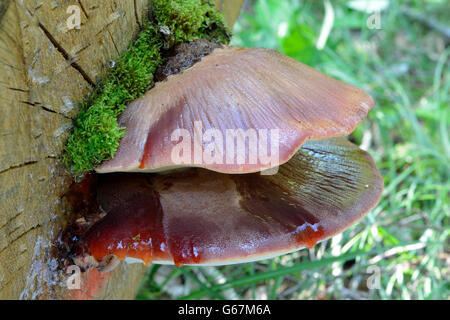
(230, 9)
(46, 69)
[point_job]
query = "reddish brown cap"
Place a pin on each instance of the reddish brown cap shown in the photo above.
(235, 89)
(203, 217)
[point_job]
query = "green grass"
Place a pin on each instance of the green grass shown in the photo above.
(405, 66)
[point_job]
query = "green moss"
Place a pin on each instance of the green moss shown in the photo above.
(190, 20)
(96, 133)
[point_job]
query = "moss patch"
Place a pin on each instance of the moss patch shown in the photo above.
(96, 133)
(191, 20)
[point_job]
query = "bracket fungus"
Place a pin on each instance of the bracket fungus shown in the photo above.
(221, 212)
(234, 92)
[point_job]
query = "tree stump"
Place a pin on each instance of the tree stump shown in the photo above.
(47, 66)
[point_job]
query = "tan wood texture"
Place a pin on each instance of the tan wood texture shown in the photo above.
(46, 68)
(230, 9)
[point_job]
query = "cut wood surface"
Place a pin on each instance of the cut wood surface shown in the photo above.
(230, 9)
(46, 68)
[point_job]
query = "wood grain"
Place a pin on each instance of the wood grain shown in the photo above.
(230, 9)
(45, 71)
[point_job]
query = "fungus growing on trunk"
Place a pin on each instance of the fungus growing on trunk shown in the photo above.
(234, 93)
(203, 217)
(219, 112)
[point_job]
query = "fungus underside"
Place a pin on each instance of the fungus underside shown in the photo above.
(96, 132)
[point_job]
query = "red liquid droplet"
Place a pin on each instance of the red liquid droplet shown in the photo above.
(185, 253)
(145, 155)
(135, 234)
(309, 236)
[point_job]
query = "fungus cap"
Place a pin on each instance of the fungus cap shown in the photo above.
(204, 217)
(237, 89)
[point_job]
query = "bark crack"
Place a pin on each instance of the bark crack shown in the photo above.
(9, 219)
(18, 89)
(114, 43)
(136, 14)
(40, 105)
(27, 163)
(66, 55)
(112, 17)
(82, 9)
(9, 243)
(19, 166)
